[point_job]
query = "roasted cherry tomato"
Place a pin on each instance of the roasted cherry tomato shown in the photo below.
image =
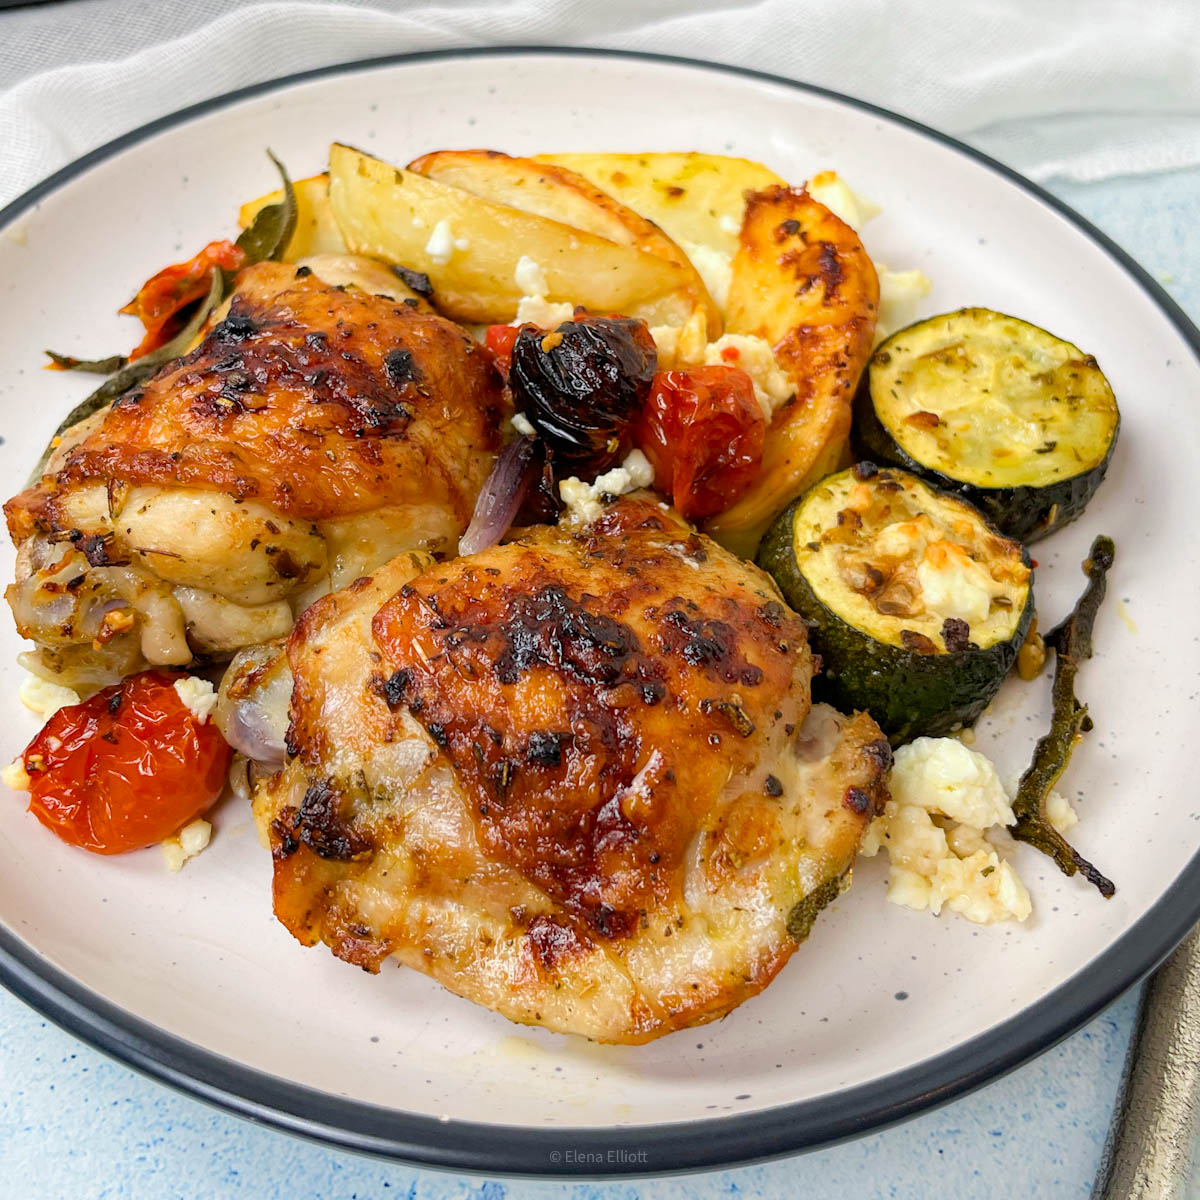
(126, 768)
(162, 298)
(500, 340)
(702, 430)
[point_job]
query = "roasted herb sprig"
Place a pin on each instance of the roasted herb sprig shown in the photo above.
(1072, 643)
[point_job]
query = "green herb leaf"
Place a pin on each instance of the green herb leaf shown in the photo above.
(1072, 642)
(141, 368)
(96, 366)
(268, 235)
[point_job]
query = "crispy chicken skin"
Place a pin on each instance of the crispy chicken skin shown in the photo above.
(575, 778)
(315, 432)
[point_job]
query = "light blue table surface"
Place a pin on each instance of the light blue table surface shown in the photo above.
(75, 1124)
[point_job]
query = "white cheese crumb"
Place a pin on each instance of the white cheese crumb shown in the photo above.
(43, 697)
(943, 797)
(772, 387)
(583, 500)
(520, 422)
(198, 695)
(1060, 812)
(900, 294)
(462, 243)
(530, 277)
(714, 268)
(830, 189)
(954, 584)
(15, 776)
(681, 345)
(666, 343)
(941, 775)
(440, 246)
(537, 310)
(187, 843)
(729, 224)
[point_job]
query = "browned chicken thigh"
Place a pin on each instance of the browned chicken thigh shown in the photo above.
(328, 422)
(575, 778)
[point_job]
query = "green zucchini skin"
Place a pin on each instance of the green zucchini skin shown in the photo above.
(909, 694)
(1025, 512)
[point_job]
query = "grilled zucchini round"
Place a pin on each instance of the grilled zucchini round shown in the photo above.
(1013, 419)
(916, 605)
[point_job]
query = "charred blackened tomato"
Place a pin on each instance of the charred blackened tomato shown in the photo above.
(703, 431)
(582, 386)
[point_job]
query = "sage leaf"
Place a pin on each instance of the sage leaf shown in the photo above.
(95, 366)
(268, 235)
(1072, 642)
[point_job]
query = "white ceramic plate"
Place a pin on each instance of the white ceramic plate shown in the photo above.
(884, 1011)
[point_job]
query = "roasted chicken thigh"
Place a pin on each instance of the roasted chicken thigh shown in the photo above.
(328, 422)
(575, 778)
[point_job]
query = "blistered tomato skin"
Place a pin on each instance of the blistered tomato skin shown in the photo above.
(126, 768)
(499, 339)
(703, 430)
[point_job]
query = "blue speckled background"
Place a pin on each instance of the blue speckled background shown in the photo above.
(74, 1124)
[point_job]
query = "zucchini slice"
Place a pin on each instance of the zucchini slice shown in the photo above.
(1013, 419)
(916, 605)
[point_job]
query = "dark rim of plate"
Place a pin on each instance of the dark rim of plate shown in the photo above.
(611, 1150)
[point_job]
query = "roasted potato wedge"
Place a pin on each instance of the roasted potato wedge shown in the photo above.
(698, 199)
(551, 191)
(801, 280)
(392, 214)
(316, 230)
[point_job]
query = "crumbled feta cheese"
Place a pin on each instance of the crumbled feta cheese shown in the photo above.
(943, 797)
(828, 188)
(1060, 812)
(187, 843)
(666, 343)
(583, 500)
(729, 224)
(530, 277)
(198, 695)
(681, 345)
(43, 697)
(714, 268)
(521, 424)
(440, 246)
(941, 775)
(537, 310)
(954, 584)
(772, 387)
(462, 243)
(900, 293)
(15, 776)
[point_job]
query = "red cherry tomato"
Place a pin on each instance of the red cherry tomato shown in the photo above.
(161, 299)
(703, 430)
(126, 768)
(500, 340)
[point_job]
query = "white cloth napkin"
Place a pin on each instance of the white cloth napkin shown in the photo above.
(1081, 89)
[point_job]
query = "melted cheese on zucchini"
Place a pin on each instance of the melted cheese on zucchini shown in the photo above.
(896, 560)
(993, 401)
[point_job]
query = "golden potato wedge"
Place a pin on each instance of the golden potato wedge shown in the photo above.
(697, 199)
(392, 214)
(801, 280)
(551, 191)
(316, 230)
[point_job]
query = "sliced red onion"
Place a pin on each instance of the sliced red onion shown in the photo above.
(251, 731)
(516, 467)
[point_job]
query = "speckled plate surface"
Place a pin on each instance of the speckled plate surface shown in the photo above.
(884, 1011)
